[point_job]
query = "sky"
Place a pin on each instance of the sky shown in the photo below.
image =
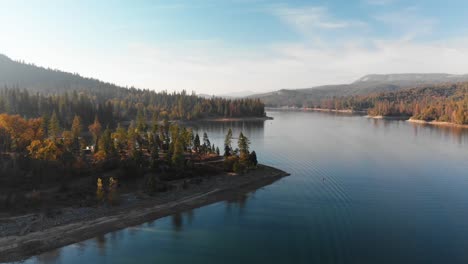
(220, 47)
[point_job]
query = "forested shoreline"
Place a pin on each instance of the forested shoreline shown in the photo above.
(35, 153)
(133, 104)
(441, 103)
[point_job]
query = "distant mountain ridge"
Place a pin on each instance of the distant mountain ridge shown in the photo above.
(232, 95)
(50, 81)
(412, 78)
(373, 83)
(237, 94)
(33, 91)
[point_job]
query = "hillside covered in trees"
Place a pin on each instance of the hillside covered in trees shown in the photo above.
(32, 91)
(442, 102)
(369, 84)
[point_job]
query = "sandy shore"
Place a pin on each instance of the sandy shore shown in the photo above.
(389, 117)
(348, 111)
(40, 234)
(232, 119)
(436, 123)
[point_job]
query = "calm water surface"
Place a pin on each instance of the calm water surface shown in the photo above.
(361, 191)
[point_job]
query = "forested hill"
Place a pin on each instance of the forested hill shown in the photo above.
(368, 84)
(33, 91)
(441, 102)
(50, 81)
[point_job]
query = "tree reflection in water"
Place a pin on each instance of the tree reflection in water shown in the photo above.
(52, 256)
(177, 222)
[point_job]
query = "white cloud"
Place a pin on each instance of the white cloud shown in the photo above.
(408, 22)
(379, 2)
(309, 20)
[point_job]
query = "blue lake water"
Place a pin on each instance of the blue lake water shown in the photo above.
(360, 191)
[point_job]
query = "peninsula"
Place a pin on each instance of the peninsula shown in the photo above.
(58, 193)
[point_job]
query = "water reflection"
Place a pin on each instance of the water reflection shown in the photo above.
(455, 134)
(177, 222)
(190, 216)
(217, 130)
(238, 201)
(52, 256)
(415, 130)
(101, 244)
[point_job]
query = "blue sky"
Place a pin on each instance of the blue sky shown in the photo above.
(218, 47)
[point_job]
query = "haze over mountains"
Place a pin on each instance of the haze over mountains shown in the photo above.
(368, 84)
(48, 81)
(229, 95)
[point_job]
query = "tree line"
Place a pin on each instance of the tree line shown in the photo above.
(123, 106)
(443, 102)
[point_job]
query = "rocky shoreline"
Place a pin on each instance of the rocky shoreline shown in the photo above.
(32, 234)
(436, 123)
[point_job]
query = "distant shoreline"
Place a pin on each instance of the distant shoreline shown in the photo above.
(228, 119)
(436, 123)
(225, 186)
(388, 117)
(347, 111)
(417, 121)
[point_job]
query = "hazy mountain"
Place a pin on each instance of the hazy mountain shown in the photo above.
(47, 81)
(366, 85)
(237, 94)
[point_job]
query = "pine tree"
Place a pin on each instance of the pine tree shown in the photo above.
(253, 159)
(106, 144)
(119, 137)
(95, 129)
(154, 123)
(188, 136)
(243, 144)
(206, 144)
(131, 138)
(154, 150)
(178, 154)
(196, 143)
(76, 127)
(228, 139)
(228, 143)
(141, 122)
(54, 126)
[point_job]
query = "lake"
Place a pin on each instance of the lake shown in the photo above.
(360, 191)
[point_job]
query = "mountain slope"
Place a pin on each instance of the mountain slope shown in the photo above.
(368, 84)
(33, 91)
(49, 81)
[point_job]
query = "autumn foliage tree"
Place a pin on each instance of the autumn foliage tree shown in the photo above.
(95, 129)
